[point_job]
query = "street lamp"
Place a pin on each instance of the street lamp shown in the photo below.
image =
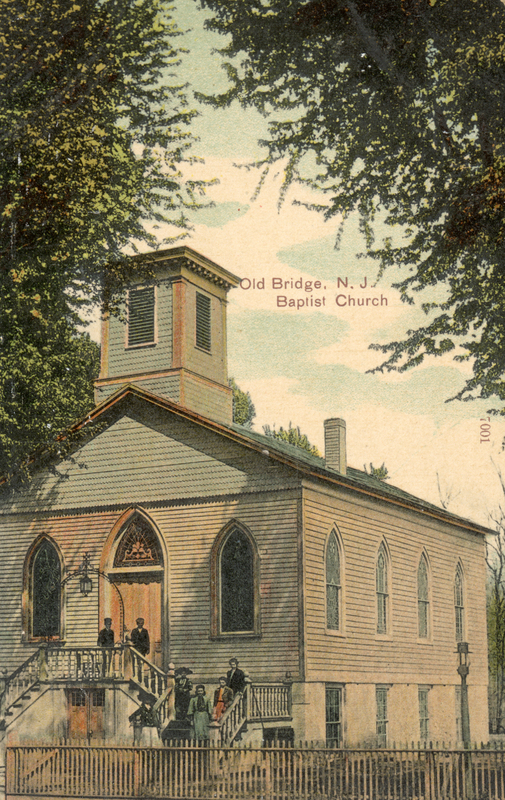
(463, 670)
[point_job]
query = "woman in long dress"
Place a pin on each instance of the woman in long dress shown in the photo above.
(200, 712)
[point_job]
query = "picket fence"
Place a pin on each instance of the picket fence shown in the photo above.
(277, 772)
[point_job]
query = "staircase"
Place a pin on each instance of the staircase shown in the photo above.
(265, 702)
(75, 665)
(22, 689)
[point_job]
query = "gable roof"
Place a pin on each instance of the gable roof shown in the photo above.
(281, 453)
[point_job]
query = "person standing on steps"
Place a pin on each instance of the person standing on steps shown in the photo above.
(106, 640)
(235, 677)
(223, 697)
(200, 712)
(183, 687)
(140, 638)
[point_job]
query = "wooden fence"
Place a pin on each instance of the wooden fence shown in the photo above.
(247, 773)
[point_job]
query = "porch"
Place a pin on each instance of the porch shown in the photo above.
(95, 672)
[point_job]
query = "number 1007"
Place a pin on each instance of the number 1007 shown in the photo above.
(485, 430)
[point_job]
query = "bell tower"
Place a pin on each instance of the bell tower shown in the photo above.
(172, 340)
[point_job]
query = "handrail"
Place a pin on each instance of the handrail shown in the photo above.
(84, 663)
(234, 718)
(24, 678)
(146, 674)
(262, 702)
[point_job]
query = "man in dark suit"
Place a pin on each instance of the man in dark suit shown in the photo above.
(235, 678)
(106, 639)
(106, 635)
(140, 638)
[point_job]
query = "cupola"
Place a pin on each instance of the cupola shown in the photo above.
(171, 339)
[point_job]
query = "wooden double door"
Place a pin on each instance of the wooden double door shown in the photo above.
(86, 714)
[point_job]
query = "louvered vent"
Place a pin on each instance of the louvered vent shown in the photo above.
(202, 321)
(141, 316)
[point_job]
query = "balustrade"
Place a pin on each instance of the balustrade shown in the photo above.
(146, 675)
(84, 663)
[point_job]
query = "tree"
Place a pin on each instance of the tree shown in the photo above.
(243, 407)
(381, 473)
(394, 107)
(292, 436)
(496, 626)
(93, 131)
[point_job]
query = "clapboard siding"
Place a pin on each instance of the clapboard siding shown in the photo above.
(363, 523)
(128, 361)
(167, 386)
(73, 536)
(212, 364)
(273, 523)
(143, 459)
(189, 533)
(211, 400)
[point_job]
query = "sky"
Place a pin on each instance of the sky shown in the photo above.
(303, 352)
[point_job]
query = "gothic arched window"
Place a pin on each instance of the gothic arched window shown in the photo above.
(45, 591)
(382, 590)
(139, 546)
(459, 604)
(237, 583)
(333, 584)
(423, 599)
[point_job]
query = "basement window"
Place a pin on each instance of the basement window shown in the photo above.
(203, 338)
(141, 316)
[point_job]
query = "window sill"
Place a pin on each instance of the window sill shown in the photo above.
(203, 350)
(384, 637)
(337, 634)
(140, 346)
(234, 635)
(425, 641)
(39, 640)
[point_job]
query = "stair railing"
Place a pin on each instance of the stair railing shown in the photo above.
(234, 718)
(24, 678)
(146, 675)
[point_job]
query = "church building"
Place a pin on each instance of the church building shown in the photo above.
(348, 603)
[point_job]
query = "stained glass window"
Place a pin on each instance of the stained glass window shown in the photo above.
(423, 603)
(381, 578)
(139, 546)
(459, 604)
(237, 583)
(333, 586)
(46, 591)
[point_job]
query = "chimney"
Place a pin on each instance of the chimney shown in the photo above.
(335, 453)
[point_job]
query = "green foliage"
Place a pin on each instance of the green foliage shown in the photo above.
(381, 473)
(93, 133)
(292, 436)
(243, 407)
(496, 627)
(395, 106)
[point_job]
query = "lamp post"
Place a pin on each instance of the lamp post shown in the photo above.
(86, 585)
(463, 670)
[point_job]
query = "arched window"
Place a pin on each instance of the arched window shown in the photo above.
(459, 605)
(333, 584)
(423, 599)
(139, 546)
(237, 583)
(382, 590)
(45, 591)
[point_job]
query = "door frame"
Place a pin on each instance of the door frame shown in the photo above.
(114, 574)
